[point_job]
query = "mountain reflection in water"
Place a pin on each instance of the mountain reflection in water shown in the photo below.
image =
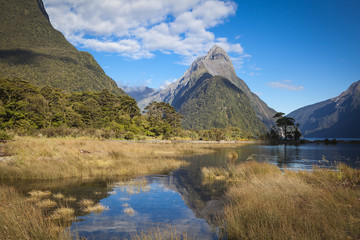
(180, 199)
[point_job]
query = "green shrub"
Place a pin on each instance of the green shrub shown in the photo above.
(4, 136)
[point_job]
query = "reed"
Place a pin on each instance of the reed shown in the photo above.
(39, 158)
(21, 219)
(46, 204)
(84, 203)
(97, 208)
(63, 214)
(265, 203)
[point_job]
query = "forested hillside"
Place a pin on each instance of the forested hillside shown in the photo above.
(28, 109)
(31, 49)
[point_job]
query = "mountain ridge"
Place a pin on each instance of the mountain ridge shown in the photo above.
(335, 117)
(31, 49)
(216, 63)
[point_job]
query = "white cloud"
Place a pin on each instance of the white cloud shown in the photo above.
(287, 85)
(137, 28)
(167, 83)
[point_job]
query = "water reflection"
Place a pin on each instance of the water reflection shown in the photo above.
(151, 206)
(180, 198)
(304, 156)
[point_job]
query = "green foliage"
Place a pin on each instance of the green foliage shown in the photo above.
(214, 102)
(287, 127)
(28, 109)
(163, 118)
(4, 136)
(31, 49)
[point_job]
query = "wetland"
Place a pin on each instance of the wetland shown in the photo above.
(187, 191)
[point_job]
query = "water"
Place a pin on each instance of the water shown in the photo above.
(134, 208)
(180, 199)
(304, 157)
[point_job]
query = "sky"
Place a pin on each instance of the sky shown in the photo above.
(290, 53)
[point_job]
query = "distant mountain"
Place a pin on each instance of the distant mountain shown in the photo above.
(190, 96)
(338, 117)
(31, 49)
(139, 92)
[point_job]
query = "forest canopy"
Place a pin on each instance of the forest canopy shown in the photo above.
(27, 108)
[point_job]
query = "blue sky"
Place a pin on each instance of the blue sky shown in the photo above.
(291, 53)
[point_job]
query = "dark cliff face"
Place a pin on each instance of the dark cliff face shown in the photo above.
(338, 117)
(42, 9)
(32, 50)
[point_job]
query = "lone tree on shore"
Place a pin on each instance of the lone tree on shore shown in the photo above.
(288, 126)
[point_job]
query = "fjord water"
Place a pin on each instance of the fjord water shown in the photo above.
(181, 200)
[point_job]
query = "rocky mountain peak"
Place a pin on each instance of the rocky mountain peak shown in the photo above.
(218, 63)
(352, 91)
(217, 53)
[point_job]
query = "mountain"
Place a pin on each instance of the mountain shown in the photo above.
(139, 92)
(31, 49)
(193, 85)
(338, 117)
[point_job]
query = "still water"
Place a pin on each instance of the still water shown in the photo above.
(181, 200)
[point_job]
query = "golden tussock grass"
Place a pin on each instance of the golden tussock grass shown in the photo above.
(46, 204)
(63, 214)
(97, 208)
(20, 219)
(84, 203)
(44, 158)
(39, 194)
(58, 196)
(89, 206)
(265, 203)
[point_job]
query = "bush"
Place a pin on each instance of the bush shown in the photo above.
(129, 136)
(4, 136)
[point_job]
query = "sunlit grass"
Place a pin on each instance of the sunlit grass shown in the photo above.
(34, 158)
(46, 204)
(63, 214)
(21, 219)
(58, 196)
(39, 194)
(84, 203)
(265, 203)
(97, 208)
(89, 206)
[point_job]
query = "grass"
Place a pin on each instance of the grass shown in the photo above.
(63, 214)
(97, 208)
(265, 203)
(21, 219)
(46, 204)
(42, 214)
(38, 158)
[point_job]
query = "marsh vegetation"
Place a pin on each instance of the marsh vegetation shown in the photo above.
(261, 200)
(267, 203)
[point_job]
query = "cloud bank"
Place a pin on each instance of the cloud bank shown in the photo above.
(287, 85)
(138, 28)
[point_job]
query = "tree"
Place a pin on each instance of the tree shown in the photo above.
(288, 126)
(163, 118)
